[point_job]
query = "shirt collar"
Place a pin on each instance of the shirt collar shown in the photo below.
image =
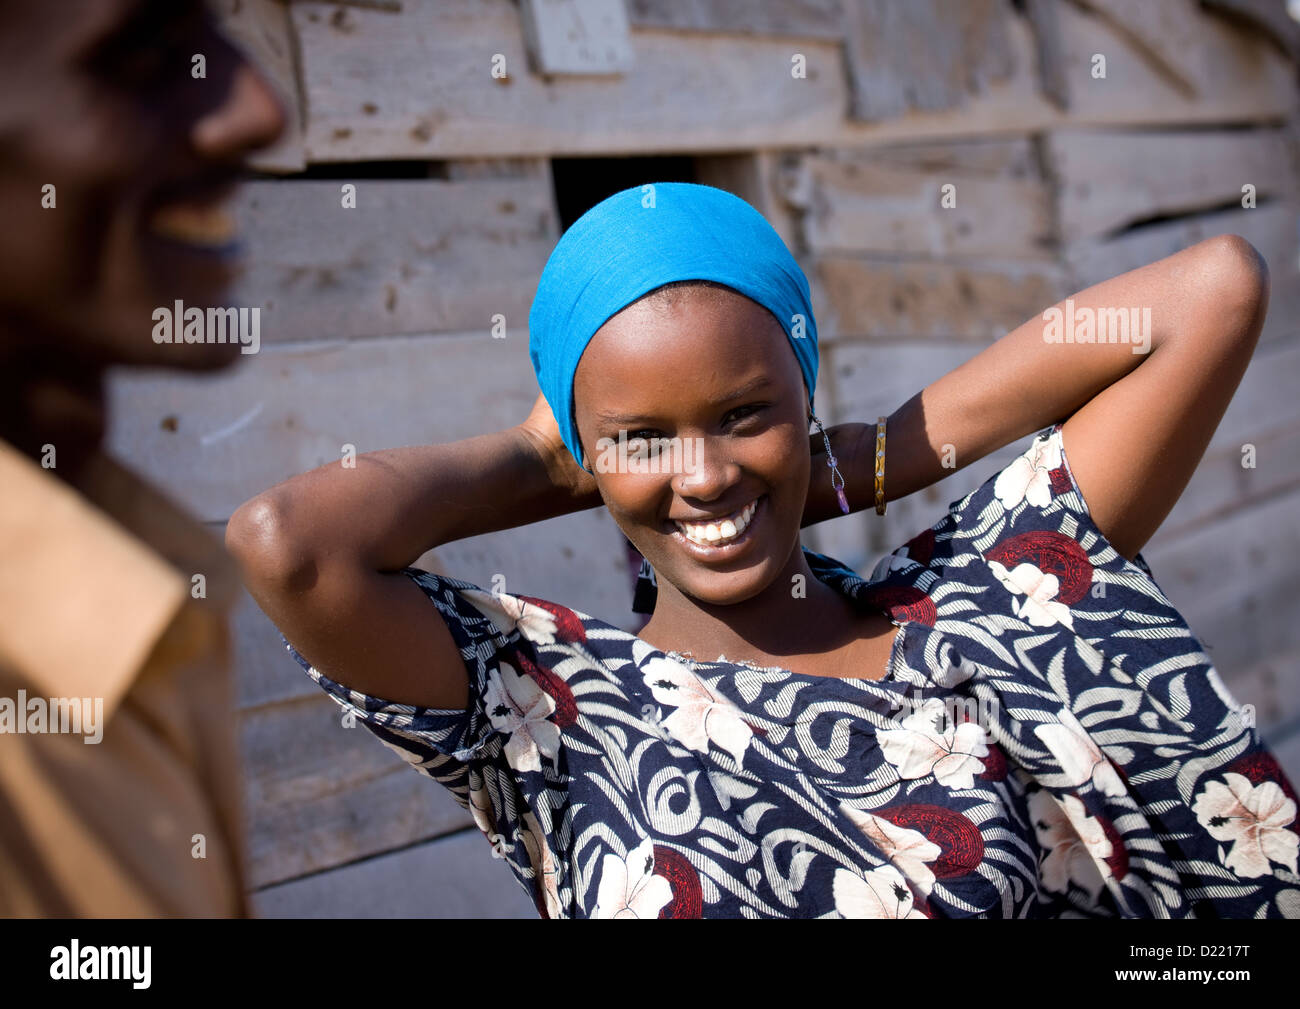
(89, 582)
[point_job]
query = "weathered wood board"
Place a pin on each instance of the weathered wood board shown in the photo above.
(318, 794)
(1265, 414)
(419, 84)
(576, 36)
(216, 440)
(451, 877)
(381, 84)
(928, 200)
(1110, 179)
(816, 19)
(890, 297)
(924, 55)
(408, 257)
(1170, 61)
(1271, 228)
(1236, 582)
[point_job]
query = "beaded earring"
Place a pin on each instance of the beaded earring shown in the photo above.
(837, 478)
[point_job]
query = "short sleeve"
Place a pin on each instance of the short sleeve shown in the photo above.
(1041, 479)
(442, 743)
(501, 755)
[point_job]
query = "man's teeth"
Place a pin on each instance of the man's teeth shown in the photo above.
(719, 533)
(193, 224)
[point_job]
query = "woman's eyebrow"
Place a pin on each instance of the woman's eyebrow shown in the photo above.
(614, 417)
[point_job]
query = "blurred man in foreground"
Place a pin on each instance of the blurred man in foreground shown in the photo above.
(119, 786)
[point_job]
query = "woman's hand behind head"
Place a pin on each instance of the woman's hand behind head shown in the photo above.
(544, 434)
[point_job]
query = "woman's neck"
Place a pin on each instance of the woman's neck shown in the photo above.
(792, 616)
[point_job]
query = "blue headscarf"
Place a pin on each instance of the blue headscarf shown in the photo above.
(640, 239)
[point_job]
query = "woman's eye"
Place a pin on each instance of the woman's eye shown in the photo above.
(744, 412)
(642, 441)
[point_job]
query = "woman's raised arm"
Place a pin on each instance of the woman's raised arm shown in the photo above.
(1140, 411)
(322, 552)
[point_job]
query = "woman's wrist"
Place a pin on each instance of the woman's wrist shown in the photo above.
(853, 444)
(575, 488)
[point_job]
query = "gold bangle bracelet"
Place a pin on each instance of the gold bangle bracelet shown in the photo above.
(880, 466)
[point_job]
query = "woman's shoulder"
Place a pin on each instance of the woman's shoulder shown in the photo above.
(1034, 493)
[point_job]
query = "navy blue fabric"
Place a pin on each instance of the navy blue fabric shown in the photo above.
(1049, 740)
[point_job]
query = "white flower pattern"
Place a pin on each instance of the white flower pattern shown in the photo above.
(629, 887)
(927, 742)
(1075, 843)
(518, 706)
(878, 893)
(1255, 818)
(1028, 477)
(702, 715)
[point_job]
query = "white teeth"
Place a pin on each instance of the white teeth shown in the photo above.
(716, 533)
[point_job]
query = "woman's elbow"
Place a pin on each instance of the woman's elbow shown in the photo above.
(259, 535)
(1241, 284)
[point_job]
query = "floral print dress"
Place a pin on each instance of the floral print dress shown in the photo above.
(1050, 740)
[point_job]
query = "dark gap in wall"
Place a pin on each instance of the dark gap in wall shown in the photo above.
(1188, 215)
(581, 183)
(351, 171)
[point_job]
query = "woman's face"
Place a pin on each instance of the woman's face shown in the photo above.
(714, 373)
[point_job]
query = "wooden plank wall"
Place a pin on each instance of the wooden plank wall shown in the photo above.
(376, 319)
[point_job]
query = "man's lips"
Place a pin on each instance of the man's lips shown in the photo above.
(193, 213)
(208, 226)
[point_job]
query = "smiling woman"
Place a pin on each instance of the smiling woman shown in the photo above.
(1008, 718)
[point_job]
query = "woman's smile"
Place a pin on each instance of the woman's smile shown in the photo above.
(722, 537)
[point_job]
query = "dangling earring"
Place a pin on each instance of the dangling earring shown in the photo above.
(837, 478)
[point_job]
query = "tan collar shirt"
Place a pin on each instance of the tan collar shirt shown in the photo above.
(119, 778)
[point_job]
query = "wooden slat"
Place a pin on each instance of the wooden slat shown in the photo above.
(576, 36)
(894, 298)
(1049, 57)
(1111, 179)
(216, 440)
(1170, 40)
(418, 85)
(818, 19)
(1265, 413)
(1236, 582)
(411, 257)
(318, 794)
(1271, 228)
(1168, 62)
(924, 54)
(885, 201)
(1265, 15)
(452, 877)
(261, 29)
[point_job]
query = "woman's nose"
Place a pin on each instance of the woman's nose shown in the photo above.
(707, 470)
(250, 117)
